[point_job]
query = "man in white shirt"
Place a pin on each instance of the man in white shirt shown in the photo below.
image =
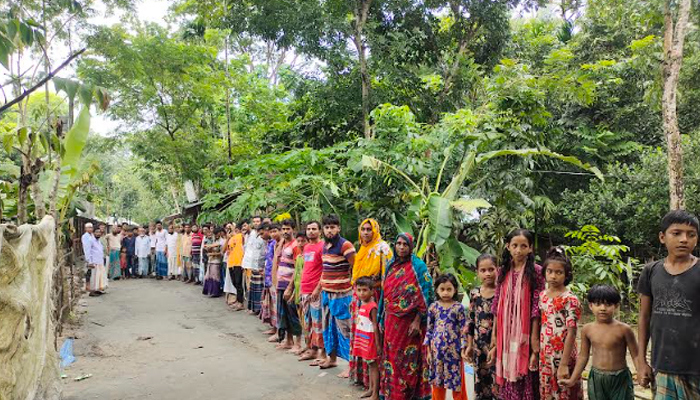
(85, 241)
(251, 252)
(161, 248)
(143, 251)
(171, 252)
(152, 256)
(98, 278)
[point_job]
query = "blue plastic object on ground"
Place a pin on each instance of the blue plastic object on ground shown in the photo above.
(66, 353)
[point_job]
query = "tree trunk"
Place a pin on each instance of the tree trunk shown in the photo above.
(674, 38)
(360, 21)
(228, 102)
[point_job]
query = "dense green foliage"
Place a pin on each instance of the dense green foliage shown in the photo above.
(482, 120)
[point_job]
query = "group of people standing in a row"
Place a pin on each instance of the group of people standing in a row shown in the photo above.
(408, 337)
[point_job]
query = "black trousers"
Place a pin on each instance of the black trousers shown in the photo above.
(131, 266)
(237, 278)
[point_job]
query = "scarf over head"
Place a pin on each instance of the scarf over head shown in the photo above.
(422, 274)
(372, 257)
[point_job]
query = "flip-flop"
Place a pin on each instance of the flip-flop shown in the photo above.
(316, 363)
(327, 366)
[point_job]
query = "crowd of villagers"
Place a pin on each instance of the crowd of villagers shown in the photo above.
(405, 334)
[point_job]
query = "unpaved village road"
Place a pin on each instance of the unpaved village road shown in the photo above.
(197, 350)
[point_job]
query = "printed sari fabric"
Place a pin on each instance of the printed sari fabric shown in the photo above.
(407, 292)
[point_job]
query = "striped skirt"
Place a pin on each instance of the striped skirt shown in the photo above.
(268, 309)
(255, 291)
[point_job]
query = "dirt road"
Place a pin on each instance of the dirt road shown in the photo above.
(150, 339)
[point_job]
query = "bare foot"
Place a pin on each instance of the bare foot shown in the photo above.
(270, 332)
(327, 365)
(345, 374)
(366, 394)
(274, 338)
(316, 363)
(295, 350)
(307, 356)
(283, 346)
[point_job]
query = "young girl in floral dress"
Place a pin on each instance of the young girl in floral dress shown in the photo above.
(479, 327)
(560, 314)
(515, 344)
(446, 321)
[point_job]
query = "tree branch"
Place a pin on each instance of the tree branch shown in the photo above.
(43, 81)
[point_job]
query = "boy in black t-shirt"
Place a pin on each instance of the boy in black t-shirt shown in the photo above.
(670, 313)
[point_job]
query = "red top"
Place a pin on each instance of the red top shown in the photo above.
(363, 344)
(313, 267)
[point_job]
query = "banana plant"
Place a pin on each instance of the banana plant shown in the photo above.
(433, 211)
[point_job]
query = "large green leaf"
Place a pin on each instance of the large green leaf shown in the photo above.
(469, 254)
(540, 152)
(75, 141)
(468, 206)
(69, 86)
(465, 168)
(402, 223)
(450, 254)
(440, 218)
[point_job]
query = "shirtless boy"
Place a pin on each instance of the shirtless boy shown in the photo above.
(609, 339)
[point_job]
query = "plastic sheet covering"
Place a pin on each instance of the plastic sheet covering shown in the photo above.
(28, 360)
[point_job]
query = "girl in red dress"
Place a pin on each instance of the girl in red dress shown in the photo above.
(365, 342)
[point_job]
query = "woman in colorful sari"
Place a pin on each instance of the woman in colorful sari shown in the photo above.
(406, 295)
(371, 261)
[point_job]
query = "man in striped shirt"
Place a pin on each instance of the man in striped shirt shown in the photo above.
(336, 292)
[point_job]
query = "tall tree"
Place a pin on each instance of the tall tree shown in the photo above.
(675, 24)
(358, 38)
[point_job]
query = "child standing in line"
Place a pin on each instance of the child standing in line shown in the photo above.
(293, 291)
(479, 327)
(609, 339)
(366, 343)
(515, 341)
(446, 321)
(561, 312)
(670, 313)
